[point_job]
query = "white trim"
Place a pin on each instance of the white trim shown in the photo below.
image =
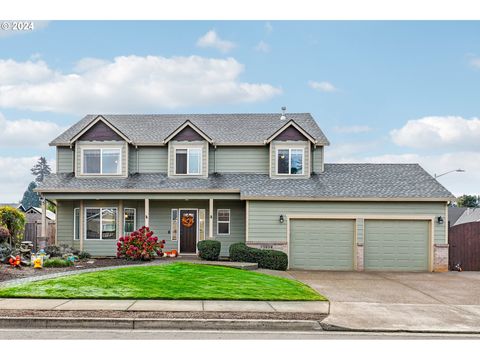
(101, 148)
(134, 219)
(367, 217)
(183, 126)
(291, 122)
(224, 222)
(75, 224)
(101, 221)
(289, 148)
(95, 121)
(188, 160)
(180, 232)
(247, 209)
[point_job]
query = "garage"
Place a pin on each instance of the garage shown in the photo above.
(322, 244)
(396, 245)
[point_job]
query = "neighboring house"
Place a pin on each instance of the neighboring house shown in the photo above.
(14, 205)
(34, 214)
(468, 215)
(454, 214)
(254, 178)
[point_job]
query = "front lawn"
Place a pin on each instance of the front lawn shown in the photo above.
(173, 281)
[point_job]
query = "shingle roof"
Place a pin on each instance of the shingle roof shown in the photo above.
(222, 128)
(469, 215)
(356, 181)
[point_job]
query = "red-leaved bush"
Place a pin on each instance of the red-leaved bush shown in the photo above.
(140, 245)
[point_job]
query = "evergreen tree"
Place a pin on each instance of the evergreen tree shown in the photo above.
(41, 169)
(30, 197)
(468, 201)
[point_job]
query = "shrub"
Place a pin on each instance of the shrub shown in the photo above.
(140, 245)
(209, 249)
(4, 233)
(273, 259)
(267, 259)
(53, 251)
(5, 252)
(14, 220)
(56, 262)
(84, 255)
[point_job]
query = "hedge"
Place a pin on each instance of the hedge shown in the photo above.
(209, 249)
(266, 259)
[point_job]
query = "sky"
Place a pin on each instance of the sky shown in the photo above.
(381, 91)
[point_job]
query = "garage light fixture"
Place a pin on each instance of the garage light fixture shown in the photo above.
(440, 220)
(282, 219)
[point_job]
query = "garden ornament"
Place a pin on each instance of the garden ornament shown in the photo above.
(15, 261)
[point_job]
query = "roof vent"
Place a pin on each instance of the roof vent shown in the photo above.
(283, 117)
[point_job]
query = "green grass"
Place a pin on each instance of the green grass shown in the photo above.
(173, 281)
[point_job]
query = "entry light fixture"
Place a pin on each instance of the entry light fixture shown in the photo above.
(440, 220)
(281, 219)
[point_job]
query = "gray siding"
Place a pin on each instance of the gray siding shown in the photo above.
(239, 159)
(151, 159)
(317, 159)
(64, 159)
(65, 224)
(274, 145)
(79, 145)
(132, 159)
(237, 224)
(264, 225)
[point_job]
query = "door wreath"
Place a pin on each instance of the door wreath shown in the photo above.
(188, 220)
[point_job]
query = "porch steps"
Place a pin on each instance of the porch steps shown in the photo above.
(232, 264)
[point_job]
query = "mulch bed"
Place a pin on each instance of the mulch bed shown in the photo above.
(161, 315)
(9, 273)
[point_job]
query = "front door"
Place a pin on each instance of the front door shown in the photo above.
(188, 231)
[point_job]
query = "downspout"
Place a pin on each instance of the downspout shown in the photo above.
(136, 151)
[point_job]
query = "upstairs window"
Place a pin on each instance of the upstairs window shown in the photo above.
(101, 161)
(188, 161)
(290, 162)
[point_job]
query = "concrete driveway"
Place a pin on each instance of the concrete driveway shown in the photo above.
(399, 301)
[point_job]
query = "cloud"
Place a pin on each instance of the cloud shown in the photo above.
(353, 129)
(475, 62)
(439, 132)
(323, 86)
(263, 47)
(211, 39)
(128, 84)
(37, 25)
(23, 132)
(268, 27)
(15, 176)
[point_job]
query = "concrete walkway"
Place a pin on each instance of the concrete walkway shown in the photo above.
(320, 307)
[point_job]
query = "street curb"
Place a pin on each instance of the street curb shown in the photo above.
(335, 328)
(150, 324)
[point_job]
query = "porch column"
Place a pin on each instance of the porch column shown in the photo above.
(44, 217)
(81, 225)
(210, 218)
(121, 218)
(147, 212)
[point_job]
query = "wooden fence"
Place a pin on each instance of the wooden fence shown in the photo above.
(34, 230)
(464, 240)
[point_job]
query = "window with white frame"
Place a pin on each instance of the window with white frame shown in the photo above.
(174, 225)
(101, 223)
(76, 224)
(101, 161)
(188, 161)
(290, 161)
(223, 222)
(129, 220)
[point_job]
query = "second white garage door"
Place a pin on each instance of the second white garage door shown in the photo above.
(325, 244)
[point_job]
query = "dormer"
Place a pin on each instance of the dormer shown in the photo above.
(188, 151)
(100, 150)
(291, 150)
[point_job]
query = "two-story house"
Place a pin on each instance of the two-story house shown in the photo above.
(254, 178)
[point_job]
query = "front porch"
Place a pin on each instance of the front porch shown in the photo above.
(94, 223)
